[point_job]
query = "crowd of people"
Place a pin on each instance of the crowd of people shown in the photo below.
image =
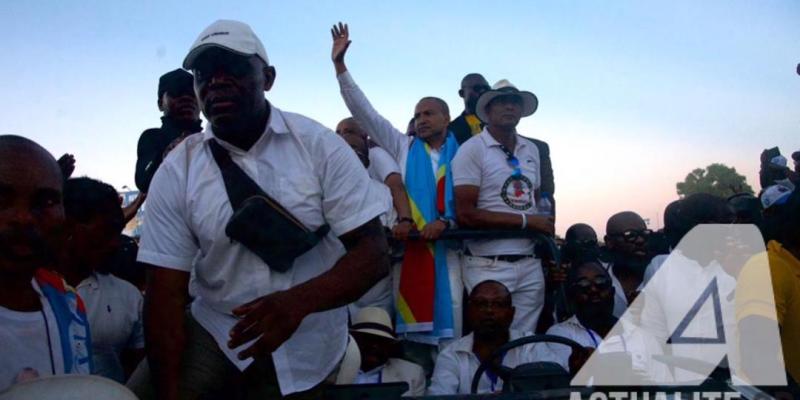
(282, 257)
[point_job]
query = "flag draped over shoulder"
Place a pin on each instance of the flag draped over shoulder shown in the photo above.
(71, 319)
(424, 305)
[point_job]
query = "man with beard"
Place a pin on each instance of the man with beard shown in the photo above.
(93, 224)
(592, 294)
(257, 328)
(43, 326)
(181, 117)
(489, 312)
(467, 125)
(628, 256)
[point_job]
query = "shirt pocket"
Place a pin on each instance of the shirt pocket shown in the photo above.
(302, 196)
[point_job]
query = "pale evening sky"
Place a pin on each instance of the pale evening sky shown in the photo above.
(633, 95)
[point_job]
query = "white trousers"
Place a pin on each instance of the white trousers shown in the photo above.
(524, 278)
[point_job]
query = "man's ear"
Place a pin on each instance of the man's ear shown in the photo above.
(161, 103)
(609, 242)
(461, 93)
(269, 77)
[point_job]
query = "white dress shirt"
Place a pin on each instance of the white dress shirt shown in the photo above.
(456, 365)
(114, 309)
(481, 162)
(315, 175)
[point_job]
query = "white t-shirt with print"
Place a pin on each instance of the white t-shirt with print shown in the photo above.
(481, 162)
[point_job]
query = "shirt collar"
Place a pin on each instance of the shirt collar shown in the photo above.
(464, 345)
(90, 281)
(490, 141)
(276, 124)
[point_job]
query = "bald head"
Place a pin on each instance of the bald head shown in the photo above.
(349, 126)
(490, 286)
(624, 221)
(580, 232)
(31, 212)
(472, 87)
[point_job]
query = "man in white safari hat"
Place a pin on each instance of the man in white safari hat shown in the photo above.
(265, 322)
(378, 345)
(497, 178)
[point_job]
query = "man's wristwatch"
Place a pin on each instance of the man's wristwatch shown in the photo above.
(446, 221)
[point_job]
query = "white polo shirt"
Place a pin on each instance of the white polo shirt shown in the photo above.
(114, 309)
(315, 175)
(481, 162)
(381, 165)
(456, 365)
(392, 140)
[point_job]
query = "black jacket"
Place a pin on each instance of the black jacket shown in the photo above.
(152, 144)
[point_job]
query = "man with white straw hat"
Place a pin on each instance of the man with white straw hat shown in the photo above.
(497, 178)
(378, 345)
(268, 319)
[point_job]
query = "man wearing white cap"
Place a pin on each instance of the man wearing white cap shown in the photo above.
(497, 176)
(260, 326)
(377, 343)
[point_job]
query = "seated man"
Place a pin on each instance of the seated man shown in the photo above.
(43, 325)
(489, 313)
(592, 294)
(372, 330)
(627, 255)
(114, 306)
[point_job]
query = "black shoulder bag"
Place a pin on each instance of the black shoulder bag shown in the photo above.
(259, 222)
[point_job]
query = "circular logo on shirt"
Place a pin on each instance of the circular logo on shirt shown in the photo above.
(517, 192)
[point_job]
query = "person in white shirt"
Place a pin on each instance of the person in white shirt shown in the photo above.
(43, 330)
(93, 222)
(496, 176)
(628, 254)
(378, 346)
(430, 191)
(276, 332)
(489, 312)
(679, 279)
(381, 294)
(592, 294)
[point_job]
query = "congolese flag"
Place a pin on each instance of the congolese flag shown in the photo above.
(424, 305)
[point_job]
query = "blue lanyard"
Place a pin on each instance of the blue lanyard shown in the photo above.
(492, 377)
(594, 339)
(380, 376)
(591, 335)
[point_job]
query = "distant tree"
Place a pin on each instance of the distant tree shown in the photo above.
(717, 179)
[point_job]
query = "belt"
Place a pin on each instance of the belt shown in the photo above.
(503, 257)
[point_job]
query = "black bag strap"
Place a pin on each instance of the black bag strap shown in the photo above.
(237, 183)
(240, 187)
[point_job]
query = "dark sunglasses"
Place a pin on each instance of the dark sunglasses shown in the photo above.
(632, 234)
(486, 304)
(601, 283)
(513, 162)
(232, 64)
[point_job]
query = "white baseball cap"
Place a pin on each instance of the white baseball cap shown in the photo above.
(234, 36)
(775, 195)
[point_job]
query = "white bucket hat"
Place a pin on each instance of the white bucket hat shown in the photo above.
(233, 36)
(373, 321)
(504, 88)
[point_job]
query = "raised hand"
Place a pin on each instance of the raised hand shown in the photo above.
(341, 41)
(67, 165)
